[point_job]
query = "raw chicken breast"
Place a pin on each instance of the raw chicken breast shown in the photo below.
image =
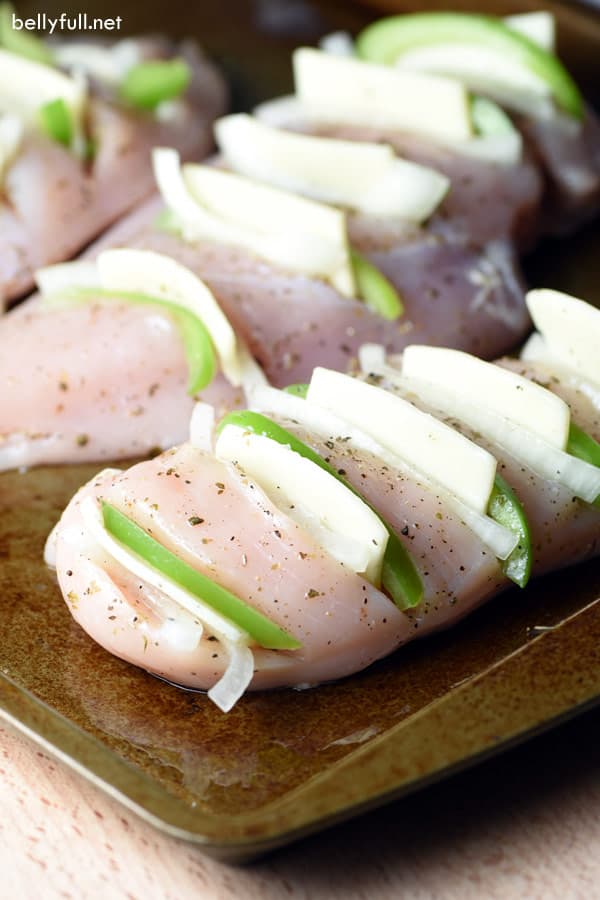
(215, 518)
(54, 204)
(94, 381)
(564, 530)
(457, 569)
(244, 543)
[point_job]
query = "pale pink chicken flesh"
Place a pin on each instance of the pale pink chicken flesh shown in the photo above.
(458, 278)
(554, 189)
(94, 381)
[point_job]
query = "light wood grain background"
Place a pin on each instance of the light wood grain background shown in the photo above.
(524, 825)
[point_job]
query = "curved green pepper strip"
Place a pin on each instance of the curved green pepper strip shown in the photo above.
(22, 43)
(506, 509)
(386, 40)
(265, 632)
(400, 577)
(199, 351)
(147, 84)
(583, 446)
(57, 122)
(297, 390)
(375, 289)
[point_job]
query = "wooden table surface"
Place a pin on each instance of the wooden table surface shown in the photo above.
(523, 825)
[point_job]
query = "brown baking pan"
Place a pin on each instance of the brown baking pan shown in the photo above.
(287, 763)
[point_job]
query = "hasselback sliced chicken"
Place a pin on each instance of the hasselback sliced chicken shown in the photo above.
(301, 539)
(512, 61)
(78, 123)
(108, 362)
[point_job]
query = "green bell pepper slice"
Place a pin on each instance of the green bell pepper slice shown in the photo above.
(265, 632)
(375, 289)
(297, 390)
(150, 83)
(506, 509)
(583, 446)
(56, 121)
(386, 40)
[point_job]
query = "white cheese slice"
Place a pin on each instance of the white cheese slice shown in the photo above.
(289, 112)
(27, 85)
(484, 70)
(539, 27)
(536, 350)
(326, 425)
(290, 231)
(338, 520)
(364, 176)
(580, 477)
(526, 445)
(443, 454)
(571, 329)
(499, 390)
(349, 91)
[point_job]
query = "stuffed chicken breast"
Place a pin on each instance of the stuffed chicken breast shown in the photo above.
(320, 529)
(512, 61)
(108, 362)
(78, 123)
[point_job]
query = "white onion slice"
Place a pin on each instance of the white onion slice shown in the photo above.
(236, 678)
(240, 669)
(502, 541)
